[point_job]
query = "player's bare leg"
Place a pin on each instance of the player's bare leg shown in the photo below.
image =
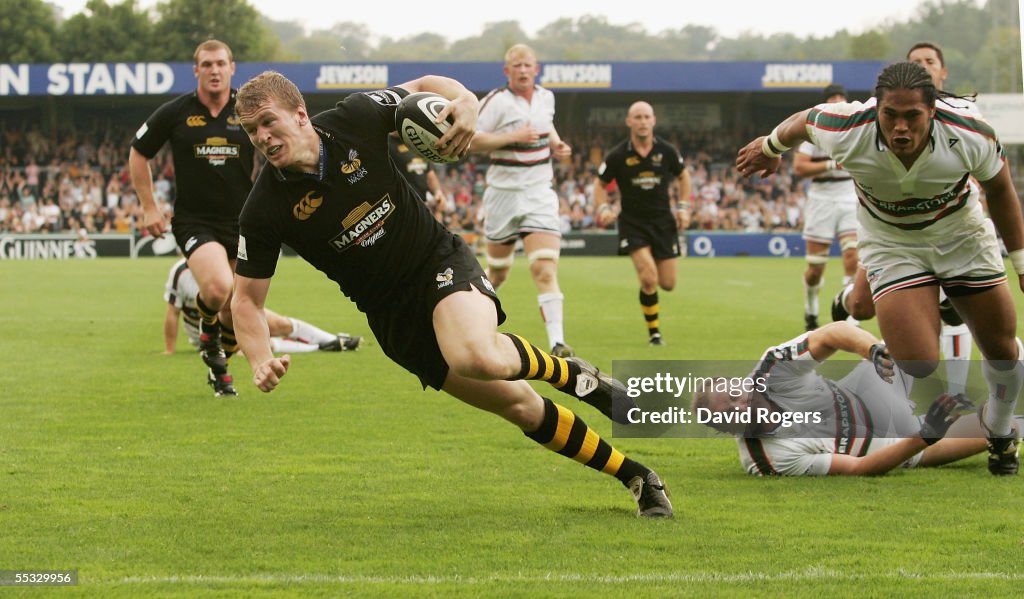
(817, 258)
(542, 252)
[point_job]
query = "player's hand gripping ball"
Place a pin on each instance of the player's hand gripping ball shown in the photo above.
(415, 122)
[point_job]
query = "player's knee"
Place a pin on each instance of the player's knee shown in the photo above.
(216, 294)
(479, 361)
(859, 308)
(918, 369)
(667, 285)
(543, 265)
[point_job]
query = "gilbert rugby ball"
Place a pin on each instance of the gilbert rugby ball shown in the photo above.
(414, 120)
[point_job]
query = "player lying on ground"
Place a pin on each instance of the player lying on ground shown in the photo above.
(287, 334)
(865, 425)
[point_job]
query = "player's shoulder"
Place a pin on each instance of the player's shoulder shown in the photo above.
(619, 149)
(664, 145)
(966, 120)
(182, 103)
(839, 116)
(498, 96)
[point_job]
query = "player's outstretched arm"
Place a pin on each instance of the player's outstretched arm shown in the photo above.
(937, 421)
(762, 156)
(253, 333)
(171, 329)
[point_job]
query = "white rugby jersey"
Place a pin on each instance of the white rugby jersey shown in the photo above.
(181, 292)
(835, 186)
(520, 165)
(855, 412)
(933, 197)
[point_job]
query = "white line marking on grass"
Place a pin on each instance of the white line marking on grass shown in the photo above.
(700, 577)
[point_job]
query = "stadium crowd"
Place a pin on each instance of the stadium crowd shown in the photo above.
(78, 179)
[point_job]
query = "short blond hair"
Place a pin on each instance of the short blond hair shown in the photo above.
(264, 88)
(518, 49)
(211, 46)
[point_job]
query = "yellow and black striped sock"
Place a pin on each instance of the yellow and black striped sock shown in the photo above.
(650, 307)
(228, 341)
(208, 321)
(565, 433)
(539, 365)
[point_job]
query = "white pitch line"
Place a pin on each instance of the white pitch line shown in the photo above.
(809, 574)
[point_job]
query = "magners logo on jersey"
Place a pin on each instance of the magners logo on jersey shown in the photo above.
(196, 120)
(646, 180)
(364, 225)
(217, 150)
(307, 206)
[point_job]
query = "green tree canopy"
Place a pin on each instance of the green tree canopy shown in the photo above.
(27, 31)
(104, 33)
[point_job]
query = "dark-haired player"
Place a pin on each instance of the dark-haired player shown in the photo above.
(213, 171)
(922, 227)
(830, 212)
(854, 299)
(424, 294)
(645, 167)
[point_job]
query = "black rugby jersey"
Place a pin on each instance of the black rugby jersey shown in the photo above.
(361, 225)
(213, 157)
(643, 181)
(413, 166)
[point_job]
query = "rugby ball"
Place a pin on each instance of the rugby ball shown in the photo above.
(414, 120)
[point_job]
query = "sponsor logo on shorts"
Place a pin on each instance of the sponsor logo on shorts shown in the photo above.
(364, 225)
(444, 279)
(874, 275)
(196, 120)
(487, 284)
(307, 206)
(242, 254)
(192, 241)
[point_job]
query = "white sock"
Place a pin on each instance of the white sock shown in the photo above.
(305, 332)
(551, 312)
(291, 346)
(1003, 388)
(845, 295)
(955, 343)
(811, 293)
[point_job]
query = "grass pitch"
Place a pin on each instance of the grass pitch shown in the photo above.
(350, 481)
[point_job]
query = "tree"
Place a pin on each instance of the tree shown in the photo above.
(492, 43)
(413, 48)
(184, 24)
(27, 31)
(341, 42)
(871, 45)
(103, 33)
